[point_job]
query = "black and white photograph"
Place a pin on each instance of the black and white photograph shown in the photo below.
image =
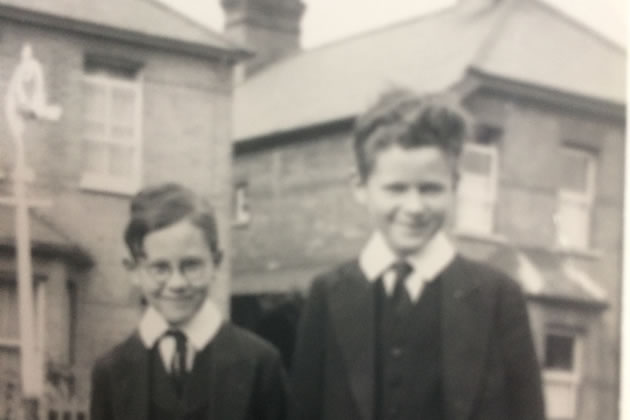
(313, 210)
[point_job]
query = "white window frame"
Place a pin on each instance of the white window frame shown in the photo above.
(583, 200)
(242, 215)
(110, 183)
(40, 318)
(571, 379)
(490, 200)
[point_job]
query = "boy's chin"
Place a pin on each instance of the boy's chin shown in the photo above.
(175, 315)
(176, 320)
(408, 246)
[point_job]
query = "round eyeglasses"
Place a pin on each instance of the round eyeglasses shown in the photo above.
(194, 270)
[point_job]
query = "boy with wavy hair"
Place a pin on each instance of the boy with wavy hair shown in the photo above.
(411, 329)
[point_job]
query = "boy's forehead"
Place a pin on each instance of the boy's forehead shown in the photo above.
(423, 156)
(178, 237)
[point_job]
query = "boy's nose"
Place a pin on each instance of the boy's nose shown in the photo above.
(177, 281)
(414, 202)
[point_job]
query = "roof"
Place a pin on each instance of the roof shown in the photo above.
(545, 274)
(429, 54)
(148, 18)
(45, 237)
(565, 56)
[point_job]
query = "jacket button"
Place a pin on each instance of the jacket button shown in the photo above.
(396, 352)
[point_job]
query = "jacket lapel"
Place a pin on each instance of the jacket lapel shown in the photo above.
(352, 314)
(465, 326)
(231, 377)
(131, 398)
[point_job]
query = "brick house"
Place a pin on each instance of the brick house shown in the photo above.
(541, 191)
(146, 98)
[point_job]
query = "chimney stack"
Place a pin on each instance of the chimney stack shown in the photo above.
(270, 28)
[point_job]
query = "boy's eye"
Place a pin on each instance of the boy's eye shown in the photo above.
(396, 188)
(431, 188)
(191, 265)
(159, 268)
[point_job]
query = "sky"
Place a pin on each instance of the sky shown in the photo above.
(328, 20)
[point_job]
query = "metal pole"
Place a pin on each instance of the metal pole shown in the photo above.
(29, 362)
(26, 98)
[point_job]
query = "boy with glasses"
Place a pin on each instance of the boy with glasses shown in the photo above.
(183, 361)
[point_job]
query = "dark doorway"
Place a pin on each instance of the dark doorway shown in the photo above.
(273, 317)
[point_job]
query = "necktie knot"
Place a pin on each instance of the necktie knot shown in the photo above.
(400, 298)
(402, 270)
(180, 338)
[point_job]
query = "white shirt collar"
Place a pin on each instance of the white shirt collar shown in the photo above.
(199, 330)
(377, 258)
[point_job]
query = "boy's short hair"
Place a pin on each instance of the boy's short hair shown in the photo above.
(160, 206)
(403, 118)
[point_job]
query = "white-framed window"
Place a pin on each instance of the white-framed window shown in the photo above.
(242, 215)
(562, 373)
(112, 130)
(576, 192)
(477, 189)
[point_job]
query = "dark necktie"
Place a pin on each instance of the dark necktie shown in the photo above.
(400, 299)
(178, 363)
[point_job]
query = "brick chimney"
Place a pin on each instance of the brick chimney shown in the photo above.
(270, 28)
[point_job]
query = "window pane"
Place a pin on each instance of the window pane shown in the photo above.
(475, 215)
(95, 102)
(559, 350)
(123, 106)
(122, 134)
(475, 186)
(121, 160)
(574, 174)
(94, 130)
(560, 399)
(95, 157)
(573, 224)
(9, 322)
(476, 162)
(10, 388)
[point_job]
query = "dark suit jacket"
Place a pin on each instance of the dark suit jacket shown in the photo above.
(247, 376)
(489, 366)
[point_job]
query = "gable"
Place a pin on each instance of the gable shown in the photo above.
(538, 45)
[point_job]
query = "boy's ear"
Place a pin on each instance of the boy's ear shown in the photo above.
(358, 188)
(218, 257)
(131, 266)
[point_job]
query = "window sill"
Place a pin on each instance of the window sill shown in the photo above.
(10, 343)
(578, 252)
(109, 185)
(481, 236)
(560, 376)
